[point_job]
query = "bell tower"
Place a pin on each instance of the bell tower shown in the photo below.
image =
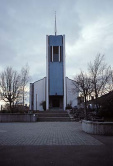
(55, 71)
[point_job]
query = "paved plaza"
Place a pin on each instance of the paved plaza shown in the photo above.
(45, 133)
(53, 144)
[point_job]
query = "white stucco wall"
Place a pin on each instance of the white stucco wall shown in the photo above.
(71, 97)
(64, 70)
(47, 75)
(40, 92)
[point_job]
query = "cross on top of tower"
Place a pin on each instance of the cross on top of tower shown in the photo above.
(55, 25)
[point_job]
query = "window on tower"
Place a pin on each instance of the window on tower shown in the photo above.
(55, 49)
(55, 53)
(51, 54)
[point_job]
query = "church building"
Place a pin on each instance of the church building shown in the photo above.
(55, 89)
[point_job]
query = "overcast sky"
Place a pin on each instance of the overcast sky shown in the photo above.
(24, 24)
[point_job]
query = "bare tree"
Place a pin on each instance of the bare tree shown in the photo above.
(100, 74)
(10, 85)
(24, 80)
(83, 85)
(109, 87)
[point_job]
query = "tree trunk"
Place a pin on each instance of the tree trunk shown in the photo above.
(23, 95)
(96, 98)
(10, 107)
(85, 107)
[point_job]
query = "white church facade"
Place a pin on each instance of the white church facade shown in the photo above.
(55, 89)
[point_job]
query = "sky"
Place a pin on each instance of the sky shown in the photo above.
(24, 24)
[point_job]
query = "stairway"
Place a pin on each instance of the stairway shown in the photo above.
(53, 116)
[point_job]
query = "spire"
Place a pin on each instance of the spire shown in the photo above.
(55, 25)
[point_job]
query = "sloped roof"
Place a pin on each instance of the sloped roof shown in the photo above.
(103, 98)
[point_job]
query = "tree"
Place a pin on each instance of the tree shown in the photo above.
(100, 75)
(110, 83)
(24, 81)
(83, 85)
(10, 85)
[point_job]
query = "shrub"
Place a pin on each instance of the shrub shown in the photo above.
(43, 104)
(68, 106)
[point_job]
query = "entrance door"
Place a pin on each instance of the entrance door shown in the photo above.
(55, 102)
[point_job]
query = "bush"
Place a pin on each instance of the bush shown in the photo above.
(68, 106)
(105, 113)
(43, 104)
(15, 109)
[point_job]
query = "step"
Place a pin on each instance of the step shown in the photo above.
(53, 119)
(52, 111)
(52, 115)
(56, 116)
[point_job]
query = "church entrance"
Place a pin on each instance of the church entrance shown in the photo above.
(56, 102)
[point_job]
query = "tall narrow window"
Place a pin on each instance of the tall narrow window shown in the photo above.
(55, 53)
(61, 54)
(50, 53)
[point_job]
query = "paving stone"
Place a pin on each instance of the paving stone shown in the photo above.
(45, 133)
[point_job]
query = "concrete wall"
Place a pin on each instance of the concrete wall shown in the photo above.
(64, 70)
(99, 128)
(55, 40)
(17, 118)
(47, 73)
(39, 93)
(56, 78)
(71, 96)
(56, 73)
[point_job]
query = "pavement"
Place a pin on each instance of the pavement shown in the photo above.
(54, 144)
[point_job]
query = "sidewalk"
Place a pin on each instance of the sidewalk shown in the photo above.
(53, 143)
